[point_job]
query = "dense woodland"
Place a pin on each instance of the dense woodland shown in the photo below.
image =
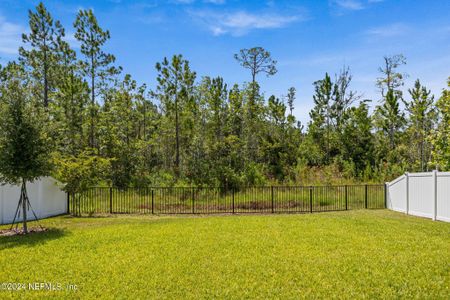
(95, 125)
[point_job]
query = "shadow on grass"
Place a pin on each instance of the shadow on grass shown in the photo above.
(31, 239)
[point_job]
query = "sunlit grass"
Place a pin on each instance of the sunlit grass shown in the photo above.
(354, 254)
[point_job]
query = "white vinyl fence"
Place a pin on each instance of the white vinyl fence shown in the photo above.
(46, 198)
(421, 194)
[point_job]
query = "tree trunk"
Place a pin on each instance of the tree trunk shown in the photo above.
(177, 133)
(91, 133)
(24, 197)
(177, 139)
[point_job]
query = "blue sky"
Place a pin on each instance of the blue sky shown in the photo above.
(307, 38)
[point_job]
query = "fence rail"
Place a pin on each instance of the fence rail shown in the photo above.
(212, 200)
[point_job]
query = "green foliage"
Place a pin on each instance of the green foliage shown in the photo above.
(207, 132)
(441, 135)
(24, 147)
(97, 64)
(43, 52)
(422, 120)
(175, 93)
(81, 171)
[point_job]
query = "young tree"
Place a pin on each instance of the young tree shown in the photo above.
(24, 152)
(358, 139)
(97, 64)
(320, 128)
(118, 132)
(421, 121)
(343, 97)
(290, 99)
(390, 118)
(41, 56)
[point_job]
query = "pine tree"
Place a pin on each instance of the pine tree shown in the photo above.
(97, 64)
(257, 60)
(42, 55)
(70, 106)
(175, 91)
(392, 79)
(320, 127)
(358, 139)
(421, 122)
(390, 118)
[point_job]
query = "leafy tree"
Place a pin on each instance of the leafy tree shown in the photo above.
(320, 127)
(422, 118)
(343, 97)
(440, 138)
(358, 139)
(81, 171)
(23, 142)
(390, 118)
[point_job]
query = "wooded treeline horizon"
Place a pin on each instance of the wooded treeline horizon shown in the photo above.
(96, 125)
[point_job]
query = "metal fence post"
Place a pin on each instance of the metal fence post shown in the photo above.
(193, 201)
(153, 211)
(386, 187)
(272, 199)
(407, 193)
(110, 200)
(232, 199)
(434, 195)
(311, 199)
(346, 197)
(365, 196)
(68, 203)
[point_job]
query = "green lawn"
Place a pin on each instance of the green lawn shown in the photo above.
(353, 254)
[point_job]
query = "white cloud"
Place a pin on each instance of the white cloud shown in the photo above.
(73, 42)
(241, 22)
(192, 1)
(215, 1)
(387, 31)
(182, 1)
(341, 6)
(349, 4)
(10, 37)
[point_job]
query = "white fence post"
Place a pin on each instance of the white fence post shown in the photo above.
(434, 195)
(386, 195)
(407, 193)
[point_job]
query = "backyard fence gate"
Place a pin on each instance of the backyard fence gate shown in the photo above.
(216, 200)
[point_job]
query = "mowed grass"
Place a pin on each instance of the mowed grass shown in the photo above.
(354, 254)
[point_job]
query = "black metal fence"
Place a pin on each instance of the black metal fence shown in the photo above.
(210, 200)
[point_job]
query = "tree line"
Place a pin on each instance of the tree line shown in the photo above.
(84, 121)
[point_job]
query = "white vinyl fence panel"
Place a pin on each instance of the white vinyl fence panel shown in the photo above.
(443, 197)
(396, 196)
(421, 194)
(46, 198)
